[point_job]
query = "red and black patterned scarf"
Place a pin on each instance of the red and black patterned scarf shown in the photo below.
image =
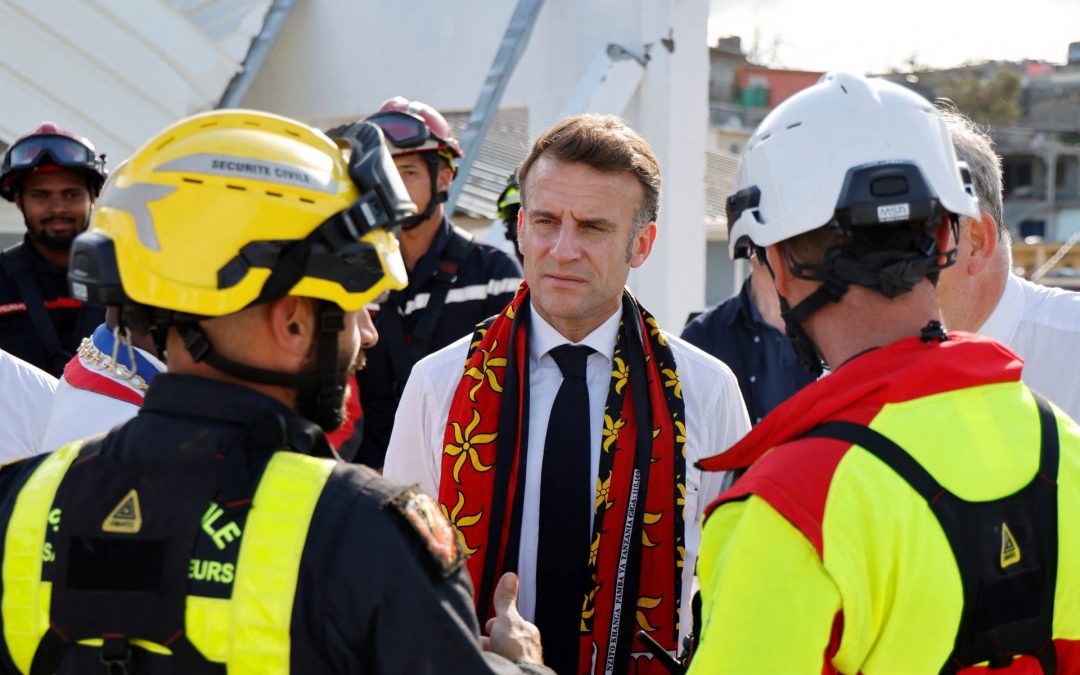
(637, 553)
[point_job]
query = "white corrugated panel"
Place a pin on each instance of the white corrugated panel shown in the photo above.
(231, 24)
(117, 71)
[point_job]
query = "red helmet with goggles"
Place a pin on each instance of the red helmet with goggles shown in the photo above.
(50, 148)
(412, 126)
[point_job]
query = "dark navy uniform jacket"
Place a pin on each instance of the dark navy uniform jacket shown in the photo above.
(72, 319)
(761, 357)
(368, 598)
(485, 284)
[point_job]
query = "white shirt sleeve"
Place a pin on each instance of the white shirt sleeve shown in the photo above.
(26, 396)
(716, 419)
(414, 454)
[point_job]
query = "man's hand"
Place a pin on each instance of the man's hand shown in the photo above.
(508, 634)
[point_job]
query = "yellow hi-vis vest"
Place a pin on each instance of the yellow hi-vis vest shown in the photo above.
(248, 631)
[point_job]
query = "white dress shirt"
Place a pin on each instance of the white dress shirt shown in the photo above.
(715, 419)
(26, 396)
(1042, 325)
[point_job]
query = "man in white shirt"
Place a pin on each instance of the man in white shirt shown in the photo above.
(26, 395)
(980, 294)
(485, 439)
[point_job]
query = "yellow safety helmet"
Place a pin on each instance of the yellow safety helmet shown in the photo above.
(229, 208)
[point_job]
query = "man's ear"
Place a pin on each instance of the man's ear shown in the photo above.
(521, 230)
(291, 324)
(446, 176)
(980, 240)
(643, 244)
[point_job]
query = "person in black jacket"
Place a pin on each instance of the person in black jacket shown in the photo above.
(53, 176)
(746, 332)
(454, 281)
(217, 530)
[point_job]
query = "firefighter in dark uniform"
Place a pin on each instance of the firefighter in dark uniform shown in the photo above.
(216, 532)
(53, 176)
(509, 205)
(455, 282)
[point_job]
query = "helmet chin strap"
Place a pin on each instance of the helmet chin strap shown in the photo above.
(320, 391)
(831, 289)
(437, 196)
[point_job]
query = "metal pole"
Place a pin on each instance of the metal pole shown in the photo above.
(260, 48)
(512, 47)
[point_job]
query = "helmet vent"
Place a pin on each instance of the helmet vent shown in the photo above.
(236, 187)
(206, 125)
(307, 201)
(188, 179)
(252, 123)
(844, 88)
(766, 136)
(293, 133)
(165, 142)
(792, 126)
(274, 194)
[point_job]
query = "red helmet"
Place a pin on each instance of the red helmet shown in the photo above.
(412, 126)
(50, 148)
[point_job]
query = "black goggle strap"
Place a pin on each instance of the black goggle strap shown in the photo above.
(382, 203)
(325, 383)
(331, 387)
(198, 346)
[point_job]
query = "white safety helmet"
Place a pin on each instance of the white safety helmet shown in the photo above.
(797, 170)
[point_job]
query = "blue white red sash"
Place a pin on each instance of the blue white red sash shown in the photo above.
(93, 368)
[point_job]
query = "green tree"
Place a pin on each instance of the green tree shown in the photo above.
(992, 99)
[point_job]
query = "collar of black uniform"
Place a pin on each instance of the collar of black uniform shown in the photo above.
(428, 263)
(195, 396)
(39, 262)
(269, 422)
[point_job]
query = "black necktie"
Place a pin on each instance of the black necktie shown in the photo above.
(566, 497)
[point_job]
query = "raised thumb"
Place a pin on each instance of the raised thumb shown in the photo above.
(506, 591)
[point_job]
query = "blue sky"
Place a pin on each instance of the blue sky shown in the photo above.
(869, 36)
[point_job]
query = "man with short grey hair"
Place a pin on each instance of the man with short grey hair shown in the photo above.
(980, 294)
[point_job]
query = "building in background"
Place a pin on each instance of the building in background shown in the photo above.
(1031, 107)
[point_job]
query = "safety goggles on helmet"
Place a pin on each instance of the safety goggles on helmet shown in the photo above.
(60, 150)
(407, 131)
(38, 150)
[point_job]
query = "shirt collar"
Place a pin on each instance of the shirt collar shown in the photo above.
(746, 304)
(543, 337)
(1002, 322)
